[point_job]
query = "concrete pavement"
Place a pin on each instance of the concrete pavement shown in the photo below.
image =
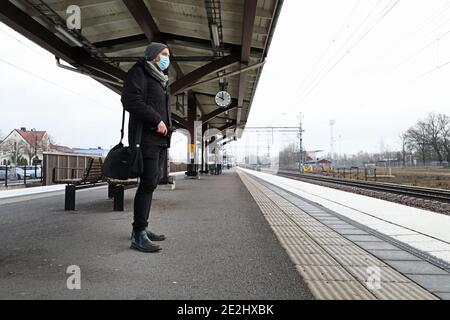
(219, 247)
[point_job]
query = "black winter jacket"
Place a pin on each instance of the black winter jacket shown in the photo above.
(150, 108)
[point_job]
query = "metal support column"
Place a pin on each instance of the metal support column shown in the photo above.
(192, 167)
(204, 144)
(206, 157)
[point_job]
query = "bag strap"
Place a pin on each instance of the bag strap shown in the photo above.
(122, 132)
(138, 131)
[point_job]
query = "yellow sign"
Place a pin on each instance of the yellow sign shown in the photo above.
(191, 148)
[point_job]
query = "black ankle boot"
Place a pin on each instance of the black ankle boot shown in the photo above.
(141, 242)
(155, 237)
(152, 236)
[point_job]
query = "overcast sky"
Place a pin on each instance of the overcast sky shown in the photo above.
(349, 60)
(374, 92)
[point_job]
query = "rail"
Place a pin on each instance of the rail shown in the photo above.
(441, 195)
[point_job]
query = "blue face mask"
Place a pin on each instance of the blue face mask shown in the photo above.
(163, 63)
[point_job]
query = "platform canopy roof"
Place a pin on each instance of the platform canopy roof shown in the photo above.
(208, 40)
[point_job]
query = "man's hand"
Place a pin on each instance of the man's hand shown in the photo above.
(162, 129)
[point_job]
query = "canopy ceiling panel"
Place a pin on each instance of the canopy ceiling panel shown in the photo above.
(115, 33)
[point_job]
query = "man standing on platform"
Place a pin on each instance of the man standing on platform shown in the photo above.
(146, 97)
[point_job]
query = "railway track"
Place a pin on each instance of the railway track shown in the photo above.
(439, 195)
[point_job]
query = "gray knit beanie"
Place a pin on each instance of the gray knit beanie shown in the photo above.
(153, 49)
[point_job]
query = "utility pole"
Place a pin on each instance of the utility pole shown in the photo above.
(257, 152)
(269, 162)
(300, 137)
(332, 123)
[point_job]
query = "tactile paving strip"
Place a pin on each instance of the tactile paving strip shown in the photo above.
(333, 267)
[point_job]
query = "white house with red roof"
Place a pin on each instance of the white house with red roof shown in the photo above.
(26, 144)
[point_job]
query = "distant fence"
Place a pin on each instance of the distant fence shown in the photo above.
(177, 167)
(20, 176)
(68, 162)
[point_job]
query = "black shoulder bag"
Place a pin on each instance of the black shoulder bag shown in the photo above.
(123, 163)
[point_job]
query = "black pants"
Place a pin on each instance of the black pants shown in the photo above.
(153, 159)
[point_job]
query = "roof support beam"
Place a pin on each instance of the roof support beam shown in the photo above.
(123, 43)
(30, 28)
(203, 71)
(250, 7)
(205, 43)
(199, 105)
(144, 19)
(172, 58)
(227, 126)
(87, 60)
(218, 112)
(18, 20)
(247, 29)
(117, 89)
(182, 122)
(141, 40)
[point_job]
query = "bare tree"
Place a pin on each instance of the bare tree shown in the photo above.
(404, 142)
(430, 138)
(16, 149)
(52, 140)
(444, 130)
(418, 140)
(433, 134)
(28, 151)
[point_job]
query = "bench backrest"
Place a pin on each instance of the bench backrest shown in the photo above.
(93, 172)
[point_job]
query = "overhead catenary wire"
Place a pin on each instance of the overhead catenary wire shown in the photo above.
(415, 54)
(388, 54)
(12, 65)
(438, 68)
(347, 20)
(429, 44)
(383, 15)
(433, 17)
(38, 76)
(22, 43)
(438, 14)
(366, 18)
(331, 45)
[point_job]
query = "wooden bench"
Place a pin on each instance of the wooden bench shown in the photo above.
(116, 191)
(92, 177)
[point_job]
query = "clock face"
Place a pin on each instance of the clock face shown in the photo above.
(223, 99)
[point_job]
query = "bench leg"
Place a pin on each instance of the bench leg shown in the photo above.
(119, 198)
(70, 198)
(110, 191)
